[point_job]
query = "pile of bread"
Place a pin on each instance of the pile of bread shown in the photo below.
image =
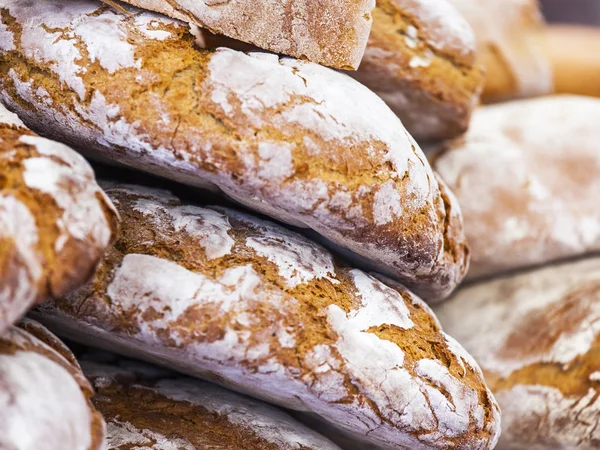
(269, 237)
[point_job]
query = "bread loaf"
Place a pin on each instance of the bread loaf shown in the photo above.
(421, 60)
(294, 140)
(537, 338)
(575, 65)
(44, 397)
(149, 410)
(243, 302)
(526, 176)
(55, 222)
(510, 37)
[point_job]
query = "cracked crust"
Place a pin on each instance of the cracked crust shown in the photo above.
(421, 60)
(45, 398)
(278, 135)
(151, 410)
(526, 176)
(509, 37)
(536, 336)
(55, 222)
(245, 303)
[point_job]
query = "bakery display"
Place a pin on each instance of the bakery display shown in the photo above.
(243, 302)
(526, 176)
(510, 40)
(537, 338)
(144, 406)
(55, 221)
(293, 140)
(421, 61)
(44, 397)
(575, 63)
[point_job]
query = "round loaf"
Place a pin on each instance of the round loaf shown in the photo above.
(55, 221)
(148, 410)
(293, 140)
(527, 176)
(421, 60)
(509, 35)
(536, 336)
(44, 397)
(575, 64)
(243, 302)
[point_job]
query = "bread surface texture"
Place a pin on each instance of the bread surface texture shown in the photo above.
(421, 60)
(510, 40)
(148, 408)
(55, 221)
(537, 339)
(245, 303)
(291, 139)
(44, 400)
(526, 176)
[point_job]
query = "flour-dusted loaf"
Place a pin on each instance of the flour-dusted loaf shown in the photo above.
(294, 140)
(332, 32)
(243, 302)
(44, 397)
(421, 61)
(536, 336)
(147, 409)
(55, 222)
(527, 176)
(510, 36)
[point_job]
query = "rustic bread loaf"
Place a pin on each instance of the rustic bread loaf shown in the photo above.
(510, 41)
(243, 302)
(575, 63)
(44, 397)
(421, 60)
(333, 33)
(537, 338)
(527, 176)
(55, 222)
(147, 409)
(294, 140)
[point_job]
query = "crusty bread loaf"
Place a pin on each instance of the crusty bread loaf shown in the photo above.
(527, 177)
(243, 302)
(572, 52)
(294, 140)
(333, 32)
(421, 60)
(44, 397)
(146, 409)
(537, 338)
(55, 222)
(510, 40)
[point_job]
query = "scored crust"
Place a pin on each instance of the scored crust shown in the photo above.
(421, 60)
(45, 399)
(151, 410)
(527, 176)
(55, 221)
(536, 336)
(291, 139)
(245, 303)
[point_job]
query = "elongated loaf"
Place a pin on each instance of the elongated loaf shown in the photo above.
(527, 175)
(510, 38)
(243, 302)
(537, 338)
(144, 408)
(421, 61)
(44, 397)
(55, 221)
(294, 140)
(333, 32)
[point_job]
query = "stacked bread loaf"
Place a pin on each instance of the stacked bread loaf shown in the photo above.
(278, 290)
